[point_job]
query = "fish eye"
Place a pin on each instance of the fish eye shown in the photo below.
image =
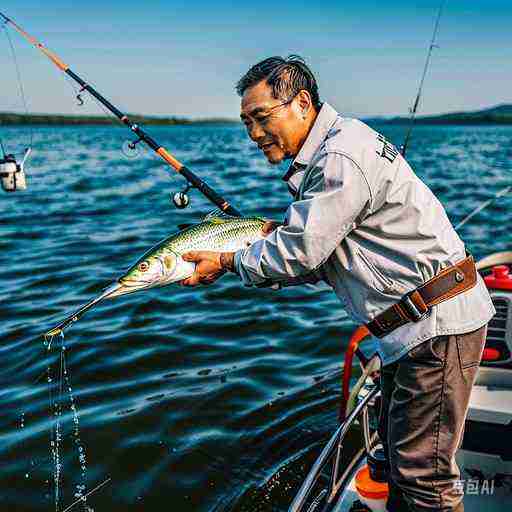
(143, 266)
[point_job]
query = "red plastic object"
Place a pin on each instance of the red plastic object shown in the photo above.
(499, 279)
(491, 354)
(369, 488)
(357, 336)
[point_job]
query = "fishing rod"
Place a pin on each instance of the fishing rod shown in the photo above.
(414, 110)
(415, 106)
(180, 199)
(482, 206)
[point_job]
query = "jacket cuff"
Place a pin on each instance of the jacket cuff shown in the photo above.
(237, 263)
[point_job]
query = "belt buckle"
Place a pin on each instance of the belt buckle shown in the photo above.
(411, 310)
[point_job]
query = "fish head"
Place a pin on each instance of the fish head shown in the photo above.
(153, 269)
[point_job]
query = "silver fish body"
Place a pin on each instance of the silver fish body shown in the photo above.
(163, 264)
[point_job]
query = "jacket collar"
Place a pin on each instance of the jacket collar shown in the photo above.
(318, 133)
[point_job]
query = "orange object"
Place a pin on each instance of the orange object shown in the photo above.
(169, 158)
(369, 488)
(357, 336)
(192, 179)
(32, 40)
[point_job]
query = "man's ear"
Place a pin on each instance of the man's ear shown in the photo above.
(304, 100)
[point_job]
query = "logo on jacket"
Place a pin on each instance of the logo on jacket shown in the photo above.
(389, 152)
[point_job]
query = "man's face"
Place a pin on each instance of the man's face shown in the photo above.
(277, 126)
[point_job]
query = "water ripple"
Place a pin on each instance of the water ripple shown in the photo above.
(203, 396)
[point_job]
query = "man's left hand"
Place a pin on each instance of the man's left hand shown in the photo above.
(210, 266)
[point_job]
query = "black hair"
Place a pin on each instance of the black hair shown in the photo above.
(286, 76)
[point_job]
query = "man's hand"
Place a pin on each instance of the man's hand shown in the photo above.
(210, 266)
(270, 226)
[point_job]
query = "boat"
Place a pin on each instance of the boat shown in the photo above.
(333, 483)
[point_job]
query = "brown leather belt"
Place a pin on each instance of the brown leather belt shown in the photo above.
(413, 306)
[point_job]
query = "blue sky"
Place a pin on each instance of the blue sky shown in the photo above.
(182, 58)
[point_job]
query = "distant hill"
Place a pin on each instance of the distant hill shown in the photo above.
(9, 118)
(500, 114)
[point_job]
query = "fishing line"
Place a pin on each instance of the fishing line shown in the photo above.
(126, 149)
(2, 148)
(99, 486)
(414, 109)
(68, 81)
(4, 26)
(55, 406)
(78, 95)
(20, 84)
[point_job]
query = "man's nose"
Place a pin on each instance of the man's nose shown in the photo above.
(256, 133)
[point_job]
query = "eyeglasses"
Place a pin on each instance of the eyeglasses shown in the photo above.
(264, 117)
(279, 105)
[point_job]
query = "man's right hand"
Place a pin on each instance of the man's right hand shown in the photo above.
(269, 226)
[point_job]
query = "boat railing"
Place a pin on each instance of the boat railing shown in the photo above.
(332, 453)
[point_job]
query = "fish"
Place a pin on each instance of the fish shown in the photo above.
(163, 264)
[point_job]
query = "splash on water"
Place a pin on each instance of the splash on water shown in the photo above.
(56, 405)
(82, 458)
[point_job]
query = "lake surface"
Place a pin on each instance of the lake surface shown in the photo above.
(215, 398)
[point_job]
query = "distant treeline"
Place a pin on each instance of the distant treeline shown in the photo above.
(501, 114)
(7, 118)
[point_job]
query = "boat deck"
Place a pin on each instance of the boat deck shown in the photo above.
(492, 494)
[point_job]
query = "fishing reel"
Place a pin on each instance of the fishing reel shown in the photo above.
(181, 199)
(12, 173)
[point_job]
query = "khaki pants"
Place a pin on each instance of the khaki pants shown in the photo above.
(425, 397)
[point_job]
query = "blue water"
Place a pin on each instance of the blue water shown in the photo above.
(192, 400)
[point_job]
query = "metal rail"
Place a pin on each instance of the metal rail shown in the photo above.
(334, 449)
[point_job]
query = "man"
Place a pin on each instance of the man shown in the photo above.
(363, 222)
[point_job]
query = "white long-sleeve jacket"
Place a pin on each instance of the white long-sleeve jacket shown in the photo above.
(363, 222)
